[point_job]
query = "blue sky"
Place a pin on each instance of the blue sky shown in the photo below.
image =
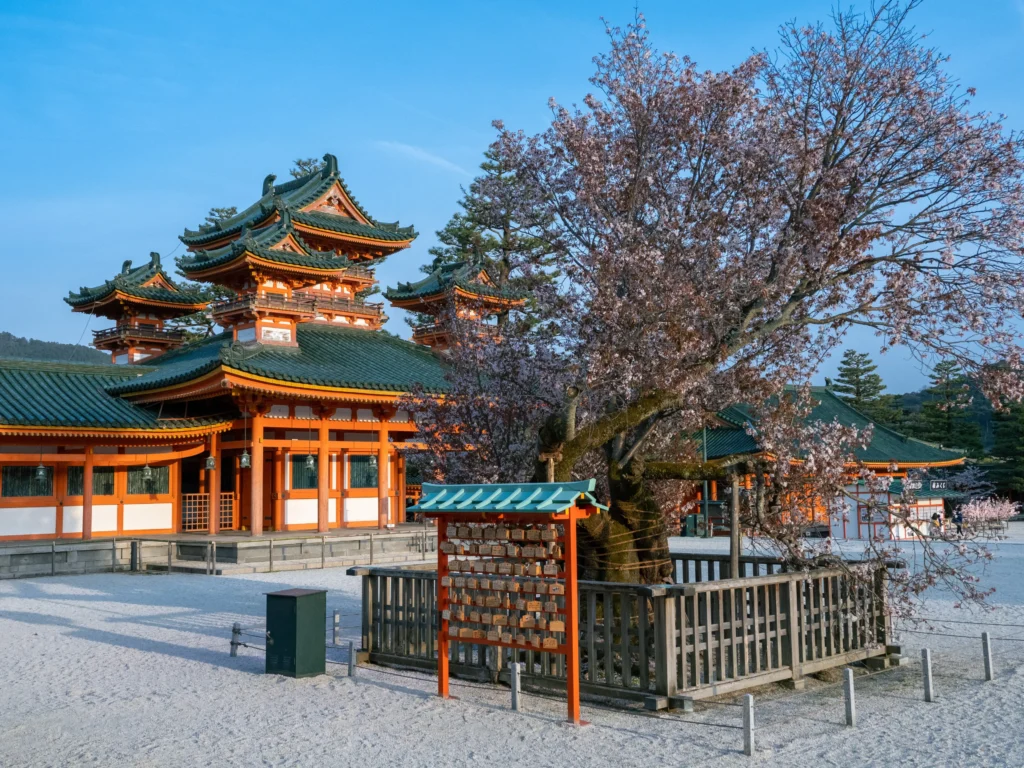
(121, 123)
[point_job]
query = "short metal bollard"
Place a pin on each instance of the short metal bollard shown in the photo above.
(351, 658)
(337, 628)
(236, 634)
(323, 552)
(748, 725)
(516, 684)
(53, 558)
(986, 650)
(926, 672)
(270, 555)
(170, 558)
(851, 704)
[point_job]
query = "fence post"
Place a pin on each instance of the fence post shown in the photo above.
(236, 633)
(170, 551)
(517, 693)
(795, 611)
(367, 617)
(986, 649)
(213, 553)
(351, 658)
(337, 627)
(134, 558)
(371, 549)
(882, 620)
(926, 671)
(207, 558)
(748, 725)
(53, 558)
(666, 681)
(113, 555)
(323, 552)
(270, 554)
(851, 704)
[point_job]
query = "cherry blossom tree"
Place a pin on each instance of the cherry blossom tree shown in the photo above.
(715, 235)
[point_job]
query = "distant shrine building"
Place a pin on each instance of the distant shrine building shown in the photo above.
(287, 420)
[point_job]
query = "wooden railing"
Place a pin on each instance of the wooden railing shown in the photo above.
(195, 512)
(689, 567)
(655, 643)
(227, 511)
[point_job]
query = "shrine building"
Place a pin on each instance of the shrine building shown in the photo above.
(890, 454)
(290, 418)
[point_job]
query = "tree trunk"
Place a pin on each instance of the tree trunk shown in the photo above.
(629, 543)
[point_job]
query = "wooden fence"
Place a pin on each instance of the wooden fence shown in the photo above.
(659, 644)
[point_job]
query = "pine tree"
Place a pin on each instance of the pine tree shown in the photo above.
(488, 232)
(945, 418)
(1009, 447)
(220, 214)
(306, 165)
(858, 384)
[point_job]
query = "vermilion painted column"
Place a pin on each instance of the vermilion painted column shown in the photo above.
(323, 470)
(256, 477)
(87, 495)
(213, 486)
(572, 620)
(277, 490)
(382, 475)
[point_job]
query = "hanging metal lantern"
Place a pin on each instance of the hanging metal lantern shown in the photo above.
(373, 462)
(243, 461)
(211, 462)
(41, 473)
(310, 462)
(147, 473)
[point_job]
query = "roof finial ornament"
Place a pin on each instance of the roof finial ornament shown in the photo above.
(126, 267)
(268, 183)
(154, 259)
(330, 166)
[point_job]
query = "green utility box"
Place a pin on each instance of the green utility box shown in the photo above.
(296, 619)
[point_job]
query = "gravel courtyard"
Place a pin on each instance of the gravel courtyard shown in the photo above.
(134, 670)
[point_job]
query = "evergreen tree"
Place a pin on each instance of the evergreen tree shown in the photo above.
(1009, 447)
(945, 416)
(220, 214)
(861, 387)
(305, 166)
(488, 231)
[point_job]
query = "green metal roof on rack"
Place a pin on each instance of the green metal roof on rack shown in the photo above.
(510, 498)
(292, 195)
(130, 281)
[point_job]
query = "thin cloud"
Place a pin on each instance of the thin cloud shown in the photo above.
(418, 153)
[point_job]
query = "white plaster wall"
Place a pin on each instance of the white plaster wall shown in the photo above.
(332, 511)
(300, 511)
(148, 517)
(104, 518)
(361, 510)
(28, 521)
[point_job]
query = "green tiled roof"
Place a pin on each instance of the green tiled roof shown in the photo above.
(327, 356)
(261, 244)
(446, 277)
(512, 498)
(34, 393)
(927, 490)
(130, 281)
(887, 445)
(291, 196)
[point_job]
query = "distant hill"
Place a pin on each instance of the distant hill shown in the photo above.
(12, 346)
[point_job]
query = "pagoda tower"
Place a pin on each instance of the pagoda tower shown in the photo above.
(303, 252)
(462, 292)
(140, 300)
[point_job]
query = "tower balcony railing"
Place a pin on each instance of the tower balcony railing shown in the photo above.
(299, 305)
(138, 332)
(435, 329)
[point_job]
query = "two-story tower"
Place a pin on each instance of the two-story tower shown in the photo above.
(140, 300)
(453, 293)
(302, 253)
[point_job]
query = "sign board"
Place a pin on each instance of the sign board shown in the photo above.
(506, 568)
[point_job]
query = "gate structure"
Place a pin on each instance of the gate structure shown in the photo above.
(507, 569)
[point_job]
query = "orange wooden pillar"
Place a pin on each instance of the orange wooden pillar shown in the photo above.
(277, 491)
(256, 477)
(382, 474)
(213, 486)
(572, 620)
(87, 495)
(400, 495)
(442, 599)
(323, 473)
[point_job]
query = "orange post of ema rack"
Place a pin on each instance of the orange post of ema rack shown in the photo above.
(506, 569)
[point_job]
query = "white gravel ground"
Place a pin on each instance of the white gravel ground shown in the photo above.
(134, 670)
